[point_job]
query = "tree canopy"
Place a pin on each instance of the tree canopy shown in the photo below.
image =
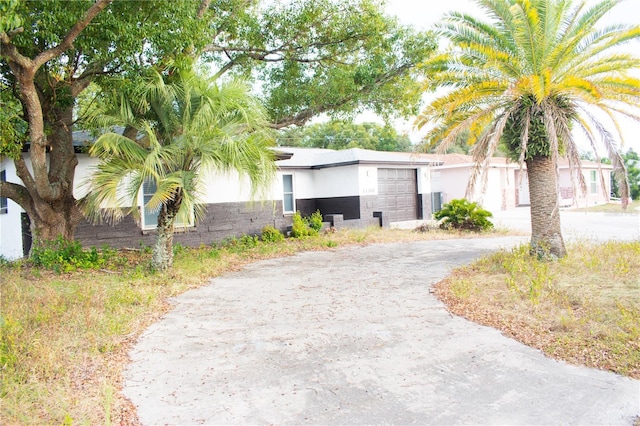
(178, 128)
(525, 78)
(305, 57)
(338, 134)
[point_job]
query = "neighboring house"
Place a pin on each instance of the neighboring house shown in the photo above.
(502, 188)
(353, 187)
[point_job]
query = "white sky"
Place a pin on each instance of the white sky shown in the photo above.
(422, 14)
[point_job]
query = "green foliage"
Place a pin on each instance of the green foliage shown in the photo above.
(306, 226)
(299, 227)
(9, 19)
(632, 163)
(525, 80)
(62, 255)
(348, 56)
(462, 215)
(249, 241)
(239, 245)
(315, 221)
(271, 234)
(182, 125)
(339, 134)
(178, 249)
(529, 114)
(526, 275)
(13, 129)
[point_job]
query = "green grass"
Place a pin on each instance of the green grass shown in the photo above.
(584, 309)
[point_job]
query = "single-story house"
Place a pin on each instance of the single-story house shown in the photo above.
(353, 187)
(502, 187)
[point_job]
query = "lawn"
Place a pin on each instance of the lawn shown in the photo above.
(66, 334)
(633, 207)
(584, 309)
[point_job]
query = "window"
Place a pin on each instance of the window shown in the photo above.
(149, 216)
(593, 181)
(288, 200)
(3, 200)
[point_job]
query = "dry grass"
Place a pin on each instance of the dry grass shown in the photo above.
(65, 337)
(611, 208)
(584, 309)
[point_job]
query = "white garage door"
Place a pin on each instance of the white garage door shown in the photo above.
(398, 194)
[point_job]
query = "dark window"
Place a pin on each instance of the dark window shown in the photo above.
(3, 200)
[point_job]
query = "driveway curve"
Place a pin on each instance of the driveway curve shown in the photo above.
(354, 336)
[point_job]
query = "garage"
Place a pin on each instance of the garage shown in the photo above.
(398, 194)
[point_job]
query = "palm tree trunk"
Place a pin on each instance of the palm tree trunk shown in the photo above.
(163, 249)
(546, 233)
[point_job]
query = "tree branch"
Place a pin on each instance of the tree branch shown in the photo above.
(204, 5)
(11, 52)
(23, 173)
(305, 115)
(73, 33)
(18, 194)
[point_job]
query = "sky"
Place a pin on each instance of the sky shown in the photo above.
(423, 14)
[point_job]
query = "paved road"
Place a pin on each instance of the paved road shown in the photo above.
(354, 336)
(578, 225)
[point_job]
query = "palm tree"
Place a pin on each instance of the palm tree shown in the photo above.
(178, 126)
(524, 81)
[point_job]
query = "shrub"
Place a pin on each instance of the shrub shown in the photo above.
(463, 215)
(66, 256)
(249, 241)
(315, 221)
(299, 227)
(271, 234)
(306, 226)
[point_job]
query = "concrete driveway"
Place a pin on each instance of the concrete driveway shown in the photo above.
(354, 336)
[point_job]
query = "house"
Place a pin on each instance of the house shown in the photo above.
(353, 187)
(505, 186)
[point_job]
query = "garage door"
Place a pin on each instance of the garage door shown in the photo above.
(398, 194)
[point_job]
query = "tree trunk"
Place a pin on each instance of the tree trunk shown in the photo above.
(163, 249)
(546, 233)
(47, 191)
(50, 221)
(55, 213)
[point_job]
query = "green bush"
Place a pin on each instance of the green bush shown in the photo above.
(462, 215)
(299, 227)
(66, 256)
(237, 245)
(249, 241)
(271, 234)
(306, 226)
(315, 221)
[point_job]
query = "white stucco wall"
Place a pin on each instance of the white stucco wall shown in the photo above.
(10, 225)
(335, 182)
(499, 193)
(367, 180)
(452, 182)
(424, 180)
(600, 196)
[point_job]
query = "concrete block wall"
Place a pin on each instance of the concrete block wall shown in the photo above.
(221, 221)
